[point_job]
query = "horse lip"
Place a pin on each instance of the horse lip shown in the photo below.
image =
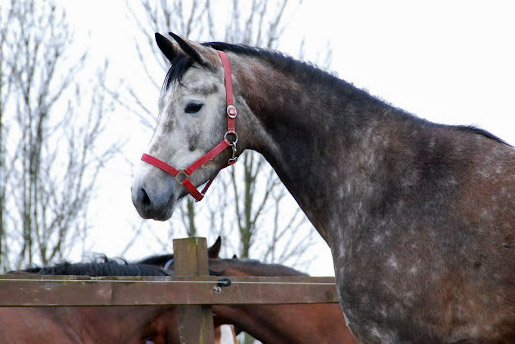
(168, 210)
(162, 218)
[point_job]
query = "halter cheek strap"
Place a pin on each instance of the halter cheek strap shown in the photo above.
(182, 176)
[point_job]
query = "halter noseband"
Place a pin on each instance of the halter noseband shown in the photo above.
(182, 175)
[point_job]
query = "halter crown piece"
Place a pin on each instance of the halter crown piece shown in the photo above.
(182, 176)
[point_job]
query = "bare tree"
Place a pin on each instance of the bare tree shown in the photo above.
(55, 122)
(6, 15)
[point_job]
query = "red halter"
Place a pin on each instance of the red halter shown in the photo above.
(182, 175)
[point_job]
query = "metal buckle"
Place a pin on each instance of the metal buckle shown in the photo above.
(231, 111)
(181, 176)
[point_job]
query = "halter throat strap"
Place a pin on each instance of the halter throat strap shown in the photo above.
(230, 139)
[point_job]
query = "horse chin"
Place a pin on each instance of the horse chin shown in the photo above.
(172, 204)
(170, 208)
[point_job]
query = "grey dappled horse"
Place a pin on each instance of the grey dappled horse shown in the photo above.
(419, 216)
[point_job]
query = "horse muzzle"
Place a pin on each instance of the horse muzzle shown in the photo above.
(156, 203)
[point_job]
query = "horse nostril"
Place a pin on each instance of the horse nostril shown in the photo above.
(145, 203)
(152, 204)
(144, 199)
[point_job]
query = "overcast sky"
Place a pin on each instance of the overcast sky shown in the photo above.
(446, 61)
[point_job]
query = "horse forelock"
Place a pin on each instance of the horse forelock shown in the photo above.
(180, 65)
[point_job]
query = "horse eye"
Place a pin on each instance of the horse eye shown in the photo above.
(193, 107)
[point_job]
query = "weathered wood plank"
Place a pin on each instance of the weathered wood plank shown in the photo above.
(24, 290)
(195, 321)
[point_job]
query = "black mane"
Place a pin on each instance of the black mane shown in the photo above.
(307, 73)
(254, 265)
(482, 132)
(107, 268)
(275, 58)
(159, 260)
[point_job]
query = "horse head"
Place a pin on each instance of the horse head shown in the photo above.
(194, 116)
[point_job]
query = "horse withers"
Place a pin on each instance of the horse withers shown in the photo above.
(419, 216)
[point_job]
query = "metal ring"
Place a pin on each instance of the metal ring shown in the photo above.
(180, 173)
(235, 137)
(229, 108)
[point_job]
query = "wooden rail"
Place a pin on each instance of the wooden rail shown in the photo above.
(191, 289)
(124, 291)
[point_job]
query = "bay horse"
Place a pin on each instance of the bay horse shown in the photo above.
(271, 324)
(419, 216)
(88, 324)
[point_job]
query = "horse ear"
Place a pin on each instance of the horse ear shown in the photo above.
(214, 250)
(202, 55)
(166, 47)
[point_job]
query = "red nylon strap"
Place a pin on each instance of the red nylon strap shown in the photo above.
(231, 110)
(192, 189)
(159, 164)
(219, 148)
(174, 172)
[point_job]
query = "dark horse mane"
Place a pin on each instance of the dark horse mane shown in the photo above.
(160, 260)
(307, 74)
(482, 132)
(258, 268)
(109, 267)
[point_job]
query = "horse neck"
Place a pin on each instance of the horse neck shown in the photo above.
(310, 128)
(320, 323)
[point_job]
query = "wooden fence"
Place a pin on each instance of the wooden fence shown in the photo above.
(191, 289)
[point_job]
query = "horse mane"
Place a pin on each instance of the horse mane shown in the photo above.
(180, 64)
(279, 60)
(109, 267)
(256, 268)
(159, 260)
(308, 74)
(482, 132)
(253, 266)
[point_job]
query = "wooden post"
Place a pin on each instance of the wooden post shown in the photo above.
(195, 322)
